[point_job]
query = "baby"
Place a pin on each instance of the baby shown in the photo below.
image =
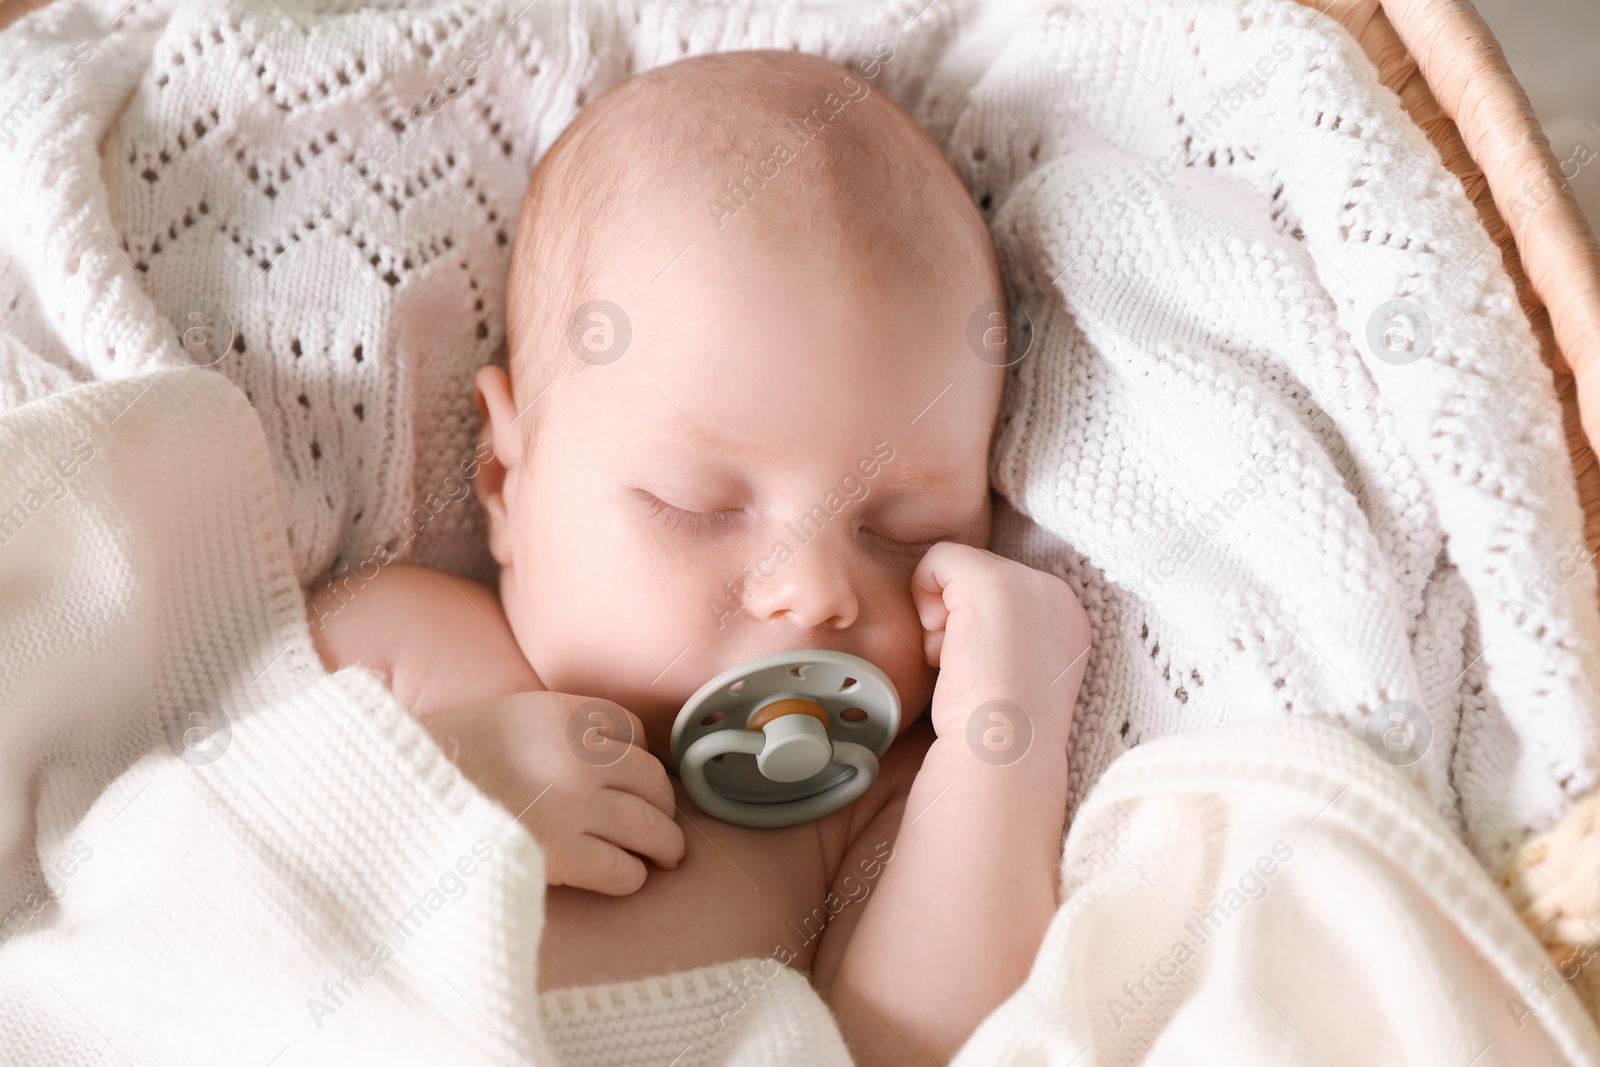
(746, 413)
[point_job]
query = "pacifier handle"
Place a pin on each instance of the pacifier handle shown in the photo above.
(789, 712)
(691, 771)
(796, 745)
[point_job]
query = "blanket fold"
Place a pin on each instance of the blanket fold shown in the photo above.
(213, 850)
(1269, 893)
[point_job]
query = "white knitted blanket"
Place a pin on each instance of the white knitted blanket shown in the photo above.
(213, 852)
(1221, 228)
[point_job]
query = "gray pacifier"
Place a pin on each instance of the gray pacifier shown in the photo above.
(785, 738)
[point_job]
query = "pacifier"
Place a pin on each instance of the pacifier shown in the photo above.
(785, 738)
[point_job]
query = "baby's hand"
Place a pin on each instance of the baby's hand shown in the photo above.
(566, 766)
(999, 630)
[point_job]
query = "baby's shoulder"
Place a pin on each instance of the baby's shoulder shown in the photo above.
(435, 638)
(357, 612)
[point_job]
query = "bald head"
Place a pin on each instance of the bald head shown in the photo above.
(781, 150)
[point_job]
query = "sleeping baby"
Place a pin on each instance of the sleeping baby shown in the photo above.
(741, 305)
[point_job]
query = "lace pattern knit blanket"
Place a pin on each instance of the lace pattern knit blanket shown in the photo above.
(1280, 421)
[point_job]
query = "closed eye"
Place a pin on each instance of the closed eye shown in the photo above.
(695, 521)
(700, 522)
(908, 548)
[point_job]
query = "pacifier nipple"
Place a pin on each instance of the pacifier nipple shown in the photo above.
(797, 745)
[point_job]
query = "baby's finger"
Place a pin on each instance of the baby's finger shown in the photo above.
(598, 718)
(636, 825)
(603, 867)
(943, 564)
(635, 728)
(640, 773)
(602, 732)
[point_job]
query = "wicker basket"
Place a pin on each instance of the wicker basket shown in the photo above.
(1440, 57)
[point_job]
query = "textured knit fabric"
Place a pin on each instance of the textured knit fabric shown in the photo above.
(748, 1011)
(313, 880)
(214, 852)
(1268, 502)
(1206, 211)
(1269, 894)
(1201, 207)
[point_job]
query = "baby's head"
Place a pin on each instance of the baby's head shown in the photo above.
(742, 400)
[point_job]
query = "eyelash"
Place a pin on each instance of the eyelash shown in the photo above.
(698, 521)
(906, 548)
(702, 522)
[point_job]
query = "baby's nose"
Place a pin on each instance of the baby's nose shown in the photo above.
(812, 588)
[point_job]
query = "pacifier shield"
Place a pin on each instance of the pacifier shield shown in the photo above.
(849, 708)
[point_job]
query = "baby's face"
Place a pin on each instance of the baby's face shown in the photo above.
(760, 470)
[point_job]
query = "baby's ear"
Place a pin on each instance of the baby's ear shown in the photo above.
(500, 443)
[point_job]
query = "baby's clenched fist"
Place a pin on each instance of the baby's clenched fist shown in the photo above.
(576, 773)
(999, 630)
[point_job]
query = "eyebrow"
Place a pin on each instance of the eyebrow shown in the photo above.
(681, 427)
(899, 479)
(685, 430)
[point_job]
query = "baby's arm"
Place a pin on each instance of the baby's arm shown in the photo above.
(443, 646)
(960, 909)
(436, 640)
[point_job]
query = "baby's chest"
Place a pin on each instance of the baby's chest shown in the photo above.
(738, 893)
